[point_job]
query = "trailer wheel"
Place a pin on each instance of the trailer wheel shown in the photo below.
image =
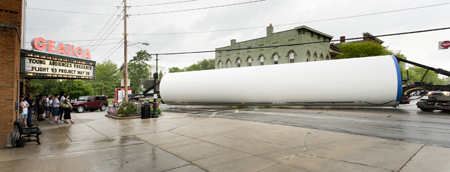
(427, 110)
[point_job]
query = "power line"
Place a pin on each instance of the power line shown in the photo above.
(82, 40)
(118, 44)
(195, 9)
(90, 3)
(106, 36)
(100, 44)
(67, 11)
(285, 45)
(106, 24)
(113, 51)
(63, 30)
(167, 3)
(311, 21)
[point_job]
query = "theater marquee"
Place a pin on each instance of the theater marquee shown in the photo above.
(41, 65)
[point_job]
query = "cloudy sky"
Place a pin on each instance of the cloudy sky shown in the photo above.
(214, 27)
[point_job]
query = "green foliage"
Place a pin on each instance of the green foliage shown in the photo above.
(34, 84)
(366, 49)
(416, 74)
(106, 78)
(74, 88)
(157, 110)
(362, 49)
(205, 64)
(139, 70)
(126, 108)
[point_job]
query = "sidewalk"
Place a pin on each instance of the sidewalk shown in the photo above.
(179, 142)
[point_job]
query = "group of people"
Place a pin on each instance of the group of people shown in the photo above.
(52, 106)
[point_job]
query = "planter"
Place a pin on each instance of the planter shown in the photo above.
(33, 90)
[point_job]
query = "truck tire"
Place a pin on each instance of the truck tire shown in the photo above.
(103, 107)
(80, 109)
(427, 110)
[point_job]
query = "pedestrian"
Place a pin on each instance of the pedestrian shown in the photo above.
(46, 106)
(67, 110)
(30, 109)
(41, 109)
(61, 100)
(55, 112)
(23, 116)
(36, 101)
(50, 105)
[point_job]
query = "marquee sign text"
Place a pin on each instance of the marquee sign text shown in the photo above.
(45, 66)
(50, 46)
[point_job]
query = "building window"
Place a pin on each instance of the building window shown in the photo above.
(228, 63)
(220, 65)
(321, 57)
(291, 57)
(312, 34)
(261, 60)
(275, 59)
(315, 57)
(249, 60)
(327, 58)
(238, 62)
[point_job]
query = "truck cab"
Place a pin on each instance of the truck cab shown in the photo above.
(437, 100)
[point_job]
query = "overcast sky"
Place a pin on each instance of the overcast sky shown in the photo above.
(65, 27)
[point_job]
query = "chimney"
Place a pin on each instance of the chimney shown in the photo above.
(270, 30)
(233, 41)
(342, 39)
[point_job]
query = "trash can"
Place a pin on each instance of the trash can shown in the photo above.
(145, 110)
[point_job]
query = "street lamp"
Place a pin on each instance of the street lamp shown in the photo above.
(155, 95)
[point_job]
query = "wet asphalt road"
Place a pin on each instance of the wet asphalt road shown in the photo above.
(406, 123)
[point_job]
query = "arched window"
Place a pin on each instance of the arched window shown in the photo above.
(261, 60)
(228, 63)
(327, 58)
(321, 56)
(315, 56)
(238, 62)
(275, 59)
(220, 65)
(249, 61)
(291, 57)
(308, 56)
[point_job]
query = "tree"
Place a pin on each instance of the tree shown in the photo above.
(107, 78)
(366, 49)
(75, 89)
(139, 70)
(205, 64)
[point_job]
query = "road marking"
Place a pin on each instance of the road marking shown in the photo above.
(213, 114)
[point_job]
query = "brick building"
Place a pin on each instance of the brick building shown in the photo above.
(303, 50)
(10, 34)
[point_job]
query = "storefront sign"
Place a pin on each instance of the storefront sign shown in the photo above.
(56, 67)
(50, 46)
(444, 44)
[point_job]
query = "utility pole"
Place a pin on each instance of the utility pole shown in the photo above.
(125, 66)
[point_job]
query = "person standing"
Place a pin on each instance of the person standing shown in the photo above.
(24, 114)
(60, 108)
(46, 106)
(30, 109)
(41, 109)
(50, 105)
(55, 112)
(67, 110)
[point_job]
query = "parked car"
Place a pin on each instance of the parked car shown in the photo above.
(91, 103)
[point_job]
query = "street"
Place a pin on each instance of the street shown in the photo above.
(406, 123)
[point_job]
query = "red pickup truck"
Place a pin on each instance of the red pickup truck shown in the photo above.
(91, 103)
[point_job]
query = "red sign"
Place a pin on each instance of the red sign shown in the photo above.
(445, 44)
(41, 44)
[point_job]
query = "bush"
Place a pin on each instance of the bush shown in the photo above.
(157, 110)
(126, 108)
